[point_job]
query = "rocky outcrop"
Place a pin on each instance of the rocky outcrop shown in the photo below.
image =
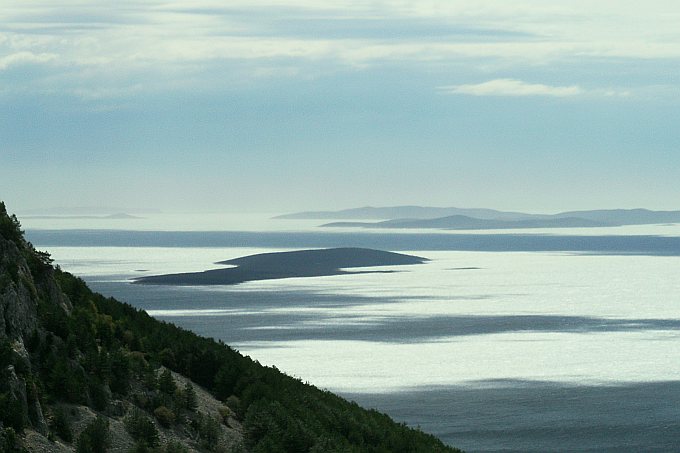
(18, 296)
(17, 393)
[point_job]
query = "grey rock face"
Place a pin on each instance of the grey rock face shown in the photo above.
(18, 318)
(18, 304)
(17, 389)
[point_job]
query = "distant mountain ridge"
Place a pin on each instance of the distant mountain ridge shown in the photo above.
(404, 212)
(459, 222)
(463, 219)
(625, 216)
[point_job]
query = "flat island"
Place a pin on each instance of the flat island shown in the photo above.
(301, 263)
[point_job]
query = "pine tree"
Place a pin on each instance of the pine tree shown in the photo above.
(190, 397)
(165, 383)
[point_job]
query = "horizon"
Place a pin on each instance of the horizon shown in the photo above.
(75, 211)
(284, 106)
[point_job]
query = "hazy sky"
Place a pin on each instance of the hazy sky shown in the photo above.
(298, 104)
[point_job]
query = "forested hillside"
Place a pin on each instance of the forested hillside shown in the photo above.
(82, 372)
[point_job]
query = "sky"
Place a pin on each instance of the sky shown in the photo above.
(288, 105)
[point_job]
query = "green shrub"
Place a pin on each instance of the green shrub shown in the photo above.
(208, 430)
(190, 399)
(95, 438)
(141, 428)
(98, 395)
(165, 416)
(233, 403)
(9, 443)
(141, 447)
(166, 383)
(61, 425)
(225, 413)
(13, 413)
(120, 372)
(175, 447)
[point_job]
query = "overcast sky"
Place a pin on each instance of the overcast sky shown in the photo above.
(297, 104)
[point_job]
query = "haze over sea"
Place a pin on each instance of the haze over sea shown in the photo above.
(531, 340)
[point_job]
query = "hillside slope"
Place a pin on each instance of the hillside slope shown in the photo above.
(82, 372)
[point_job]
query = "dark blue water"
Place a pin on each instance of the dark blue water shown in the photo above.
(618, 245)
(520, 416)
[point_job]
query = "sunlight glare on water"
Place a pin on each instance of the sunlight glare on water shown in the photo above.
(461, 318)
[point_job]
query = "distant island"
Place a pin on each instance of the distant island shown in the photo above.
(481, 219)
(301, 263)
(461, 222)
(403, 212)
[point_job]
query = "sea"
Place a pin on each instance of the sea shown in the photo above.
(505, 340)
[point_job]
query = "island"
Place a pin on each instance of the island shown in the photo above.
(460, 222)
(428, 217)
(277, 265)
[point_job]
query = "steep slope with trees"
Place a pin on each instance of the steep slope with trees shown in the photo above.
(82, 372)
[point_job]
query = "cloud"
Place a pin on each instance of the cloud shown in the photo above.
(512, 87)
(110, 46)
(23, 58)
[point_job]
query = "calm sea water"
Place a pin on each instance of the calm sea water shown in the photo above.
(536, 342)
